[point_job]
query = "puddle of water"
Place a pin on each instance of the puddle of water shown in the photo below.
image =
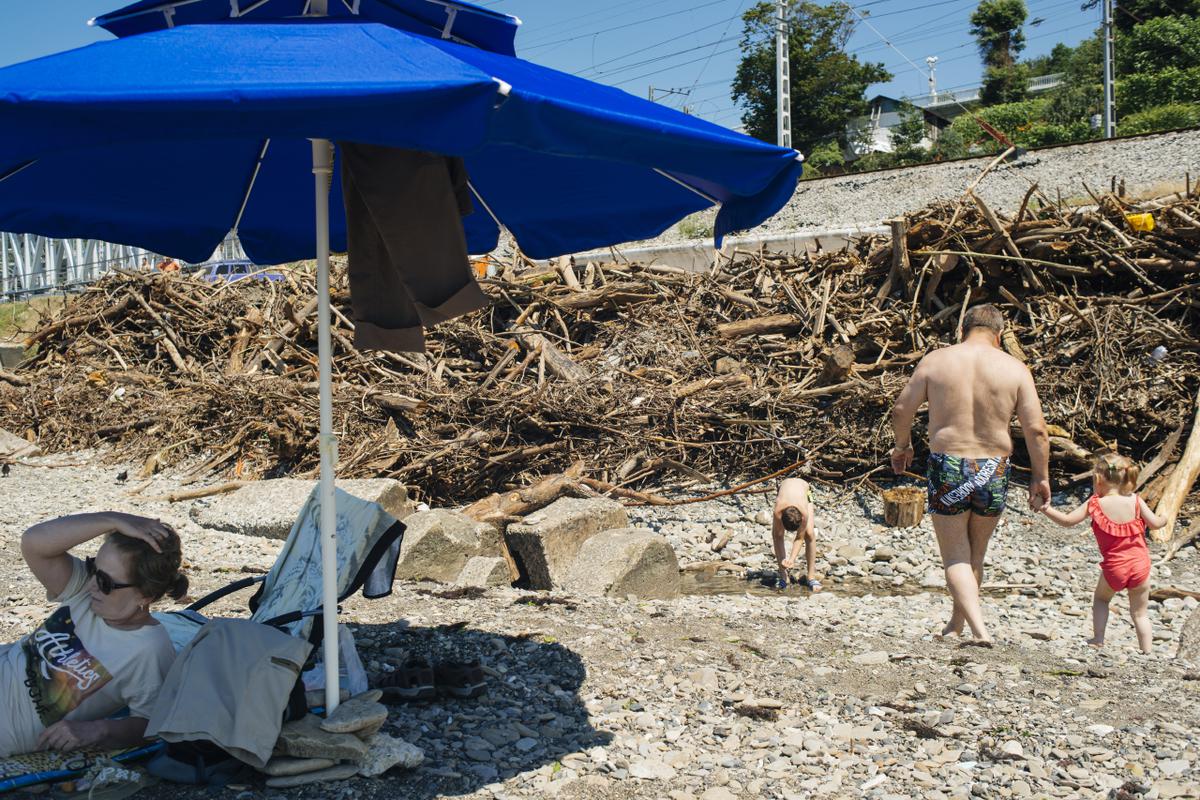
(756, 583)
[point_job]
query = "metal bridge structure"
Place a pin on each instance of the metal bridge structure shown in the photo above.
(32, 265)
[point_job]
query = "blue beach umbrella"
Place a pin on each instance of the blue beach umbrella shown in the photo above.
(168, 139)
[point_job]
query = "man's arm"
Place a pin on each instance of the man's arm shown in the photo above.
(777, 537)
(915, 393)
(1037, 441)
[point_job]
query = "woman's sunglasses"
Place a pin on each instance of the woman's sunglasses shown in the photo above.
(104, 581)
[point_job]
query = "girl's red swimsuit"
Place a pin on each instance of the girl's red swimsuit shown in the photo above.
(1125, 559)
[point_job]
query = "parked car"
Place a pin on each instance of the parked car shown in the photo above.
(234, 270)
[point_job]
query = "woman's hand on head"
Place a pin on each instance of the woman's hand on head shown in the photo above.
(151, 531)
(69, 735)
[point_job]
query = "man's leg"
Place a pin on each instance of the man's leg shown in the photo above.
(955, 546)
(979, 535)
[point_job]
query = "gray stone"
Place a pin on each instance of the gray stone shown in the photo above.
(387, 752)
(622, 562)
(437, 545)
(281, 766)
(269, 508)
(705, 678)
(357, 713)
(651, 770)
(718, 793)
(304, 738)
(883, 553)
(338, 772)
(874, 657)
(484, 572)
(13, 446)
(546, 543)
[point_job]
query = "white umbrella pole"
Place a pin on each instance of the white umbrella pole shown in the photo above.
(322, 151)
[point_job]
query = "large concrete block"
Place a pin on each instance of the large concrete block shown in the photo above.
(438, 543)
(484, 571)
(269, 508)
(546, 543)
(13, 446)
(623, 562)
(11, 355)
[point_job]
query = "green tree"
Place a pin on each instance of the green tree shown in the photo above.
(1159, 44)
(908, 135)
(827, 83)
(1128, 14)
(1052, 63)
(997, 28)
(1004, 85)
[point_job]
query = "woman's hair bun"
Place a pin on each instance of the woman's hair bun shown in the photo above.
(179, 587)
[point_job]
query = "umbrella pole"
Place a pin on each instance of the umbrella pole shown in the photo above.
(322, 150)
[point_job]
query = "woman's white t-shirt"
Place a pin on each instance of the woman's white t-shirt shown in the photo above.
(76, 667)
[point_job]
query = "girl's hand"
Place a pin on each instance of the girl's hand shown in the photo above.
(151, 531)
(70, 735)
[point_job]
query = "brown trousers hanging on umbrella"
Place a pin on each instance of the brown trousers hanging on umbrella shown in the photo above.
(408, 253)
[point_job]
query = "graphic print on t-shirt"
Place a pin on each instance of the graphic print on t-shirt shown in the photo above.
(60, 672)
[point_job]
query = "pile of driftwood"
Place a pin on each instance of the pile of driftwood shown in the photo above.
(645, 373)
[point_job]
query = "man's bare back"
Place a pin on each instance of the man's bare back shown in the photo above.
(973, 390)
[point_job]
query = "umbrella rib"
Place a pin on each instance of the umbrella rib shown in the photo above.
(488, 208)
(164, 8)
(689, 187)
(16, 169)
(235, 11)
(262, 153)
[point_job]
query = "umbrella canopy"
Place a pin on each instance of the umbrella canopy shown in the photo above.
(169, 139)
(466, 23)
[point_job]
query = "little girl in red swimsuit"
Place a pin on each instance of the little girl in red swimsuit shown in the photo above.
(1119, 521)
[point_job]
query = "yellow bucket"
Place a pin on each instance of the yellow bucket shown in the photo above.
(1140, 222)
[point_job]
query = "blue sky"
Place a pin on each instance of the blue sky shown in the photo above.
(685, 45)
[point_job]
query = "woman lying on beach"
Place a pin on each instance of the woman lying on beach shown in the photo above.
(101, 651)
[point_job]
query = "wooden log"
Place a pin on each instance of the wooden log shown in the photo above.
(1180, 482)
(395, 402)
(901, 270)
(1182, 540)
(1160, 460)
(903, 507)
(776, 323)
(207, 491)
(557, 361)
(1172, 593)
(526, 500)
(14, 379)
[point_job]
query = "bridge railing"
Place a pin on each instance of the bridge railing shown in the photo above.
(32, 265)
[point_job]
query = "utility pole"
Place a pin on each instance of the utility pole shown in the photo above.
(1110, 100)
(783, 83)
(931, 61)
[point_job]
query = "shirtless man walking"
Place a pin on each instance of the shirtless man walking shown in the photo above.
(973, 389)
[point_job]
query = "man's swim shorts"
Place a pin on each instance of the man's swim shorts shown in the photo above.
(957, 485)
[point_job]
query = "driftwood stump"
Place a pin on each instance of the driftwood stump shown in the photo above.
(903, 507)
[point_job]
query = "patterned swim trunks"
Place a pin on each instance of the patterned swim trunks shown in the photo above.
(957, 485)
